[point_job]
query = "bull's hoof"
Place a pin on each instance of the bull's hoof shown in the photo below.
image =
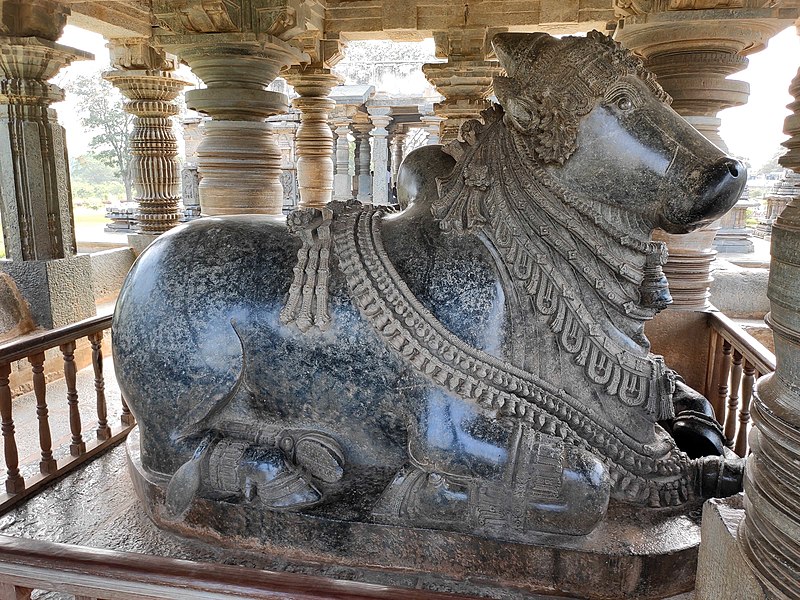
(423, 499)
(315, 452)
(719, 477)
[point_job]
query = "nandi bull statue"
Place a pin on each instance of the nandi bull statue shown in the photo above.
(475, 363)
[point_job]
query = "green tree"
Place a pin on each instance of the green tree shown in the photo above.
(101, 111)
(772, 164)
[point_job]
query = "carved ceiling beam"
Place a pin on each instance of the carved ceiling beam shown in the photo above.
(417, 19)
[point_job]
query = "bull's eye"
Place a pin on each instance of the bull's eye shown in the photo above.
(624, 103)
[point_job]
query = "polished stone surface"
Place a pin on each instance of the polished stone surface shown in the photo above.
(468, 366)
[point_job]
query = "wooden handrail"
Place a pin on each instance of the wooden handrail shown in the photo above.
(754, 351)
(97, 573)
(39, 341)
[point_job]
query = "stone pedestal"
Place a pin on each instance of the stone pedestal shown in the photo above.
(722, 571)
(693, 54)
(734, 235)
(238, 159)
(313, 141)
(145, 77)
(380, 153)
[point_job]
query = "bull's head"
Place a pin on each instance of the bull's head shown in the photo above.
(603, 127)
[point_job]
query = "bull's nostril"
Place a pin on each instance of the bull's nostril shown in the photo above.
(732, 169)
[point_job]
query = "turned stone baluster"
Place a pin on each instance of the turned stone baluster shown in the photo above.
(14, 483)
(722, 387)
(126, 418)
(103, 430)
(48, 464)
(733, 399)
(748, 382)
(77, 445)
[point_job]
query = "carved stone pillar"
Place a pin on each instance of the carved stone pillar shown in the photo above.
(380, 118)
(341, 185)
(734, 236)
(770, 533)
(314, 141)
(693, 55)
(397, 145)
(35, 196)
(432, 125)
(145, 77)
(363, 159)
(237, 49)
(465, 80)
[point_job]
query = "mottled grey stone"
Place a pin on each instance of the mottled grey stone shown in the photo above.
(740, 292)
(15, 315)
(59, 291)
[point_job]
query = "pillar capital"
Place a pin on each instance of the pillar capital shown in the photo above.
(432, 125)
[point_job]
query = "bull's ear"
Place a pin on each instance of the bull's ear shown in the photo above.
(522, 116)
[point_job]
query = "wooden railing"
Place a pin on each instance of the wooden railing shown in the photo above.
(33, 348)
(735, 361)
(91, 574)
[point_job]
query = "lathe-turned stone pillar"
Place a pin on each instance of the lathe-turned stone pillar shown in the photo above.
(342, 186)
(397, 145)
(693, 54)
(770, 534)
(432, 125)
(363, 159)
(238, 159)
(380, 118)
(145, 76)
(314, 140)
(35, 196)
(465, 80)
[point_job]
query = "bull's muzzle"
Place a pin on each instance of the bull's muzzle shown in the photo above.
(717, 189)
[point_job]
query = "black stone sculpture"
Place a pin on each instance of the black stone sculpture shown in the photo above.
(475, 363)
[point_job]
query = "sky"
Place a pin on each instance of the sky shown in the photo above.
(753, 131)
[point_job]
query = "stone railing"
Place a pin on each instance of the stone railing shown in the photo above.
(88, 574)
(735, 361)
(33, 347)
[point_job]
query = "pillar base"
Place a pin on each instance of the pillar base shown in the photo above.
(722, 571)
(59, 291)
(139, 241)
